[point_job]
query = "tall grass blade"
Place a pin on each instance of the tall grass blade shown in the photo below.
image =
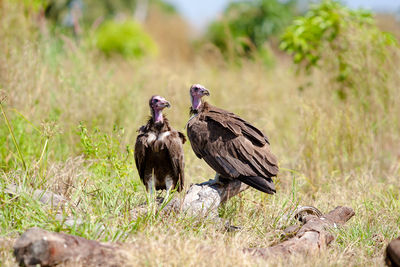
(13, 136)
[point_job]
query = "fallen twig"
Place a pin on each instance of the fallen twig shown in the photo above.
(311, 238)
(37, 246)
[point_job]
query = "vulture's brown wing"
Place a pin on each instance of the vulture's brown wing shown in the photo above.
(140, 153)
(198, 135)
(237, 125)
(173, 143)
(231, 146)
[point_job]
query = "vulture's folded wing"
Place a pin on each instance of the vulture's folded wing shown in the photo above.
(237, 125)
(231, 146)
(239, 157)
(173, 143)
(140, 154)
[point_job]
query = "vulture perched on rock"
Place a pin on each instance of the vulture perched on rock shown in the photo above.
(159, 152)
(234, 148)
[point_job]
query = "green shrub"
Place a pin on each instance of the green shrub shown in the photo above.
(341, 42)
(125, 38)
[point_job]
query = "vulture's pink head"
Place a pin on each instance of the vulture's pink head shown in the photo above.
(197, 91)
(157, 104)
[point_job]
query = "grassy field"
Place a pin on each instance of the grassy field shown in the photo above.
(74, 115)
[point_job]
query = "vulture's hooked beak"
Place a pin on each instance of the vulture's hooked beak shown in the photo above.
(167, 104)
(206, 92)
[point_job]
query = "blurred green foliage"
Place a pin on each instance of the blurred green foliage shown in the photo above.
(341, 42)
(164, 6)
(247, 25)
(93, 10)
(126, 38)
(325, 22)
(35, 5)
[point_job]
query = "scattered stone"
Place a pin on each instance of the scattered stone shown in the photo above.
(45, 197)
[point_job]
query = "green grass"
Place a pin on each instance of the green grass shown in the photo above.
(74, 115)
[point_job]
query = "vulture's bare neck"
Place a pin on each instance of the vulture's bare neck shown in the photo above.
(159, 126)
(200, 108)
(157, 116)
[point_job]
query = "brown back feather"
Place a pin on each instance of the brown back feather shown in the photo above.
(230, 145)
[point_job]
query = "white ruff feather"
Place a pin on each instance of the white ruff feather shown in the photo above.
(163, 135)
(151, 138)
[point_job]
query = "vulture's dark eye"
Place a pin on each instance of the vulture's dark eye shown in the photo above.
(196, 89)
(155, 100)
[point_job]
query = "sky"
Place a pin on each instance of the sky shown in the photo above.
(200, 12)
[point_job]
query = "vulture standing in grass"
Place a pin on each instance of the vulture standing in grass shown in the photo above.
(159, 152)
(230, 145)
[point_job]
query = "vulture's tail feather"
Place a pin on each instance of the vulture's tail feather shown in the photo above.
(259, 183)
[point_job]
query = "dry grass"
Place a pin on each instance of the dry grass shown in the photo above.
(331, 152)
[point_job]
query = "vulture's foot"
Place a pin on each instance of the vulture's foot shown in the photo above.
(217, 180)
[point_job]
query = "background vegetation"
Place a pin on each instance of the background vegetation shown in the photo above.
(246, 26)
(330, 108)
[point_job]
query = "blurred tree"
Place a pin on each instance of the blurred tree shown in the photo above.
(170, 31)
(92, 10)
(345, 44)
(108, 25)
(34, 4)
(247, 25)
(56, 10)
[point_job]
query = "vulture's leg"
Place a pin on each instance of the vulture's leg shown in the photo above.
(150, 186)
(217, 180)
(168, 185)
